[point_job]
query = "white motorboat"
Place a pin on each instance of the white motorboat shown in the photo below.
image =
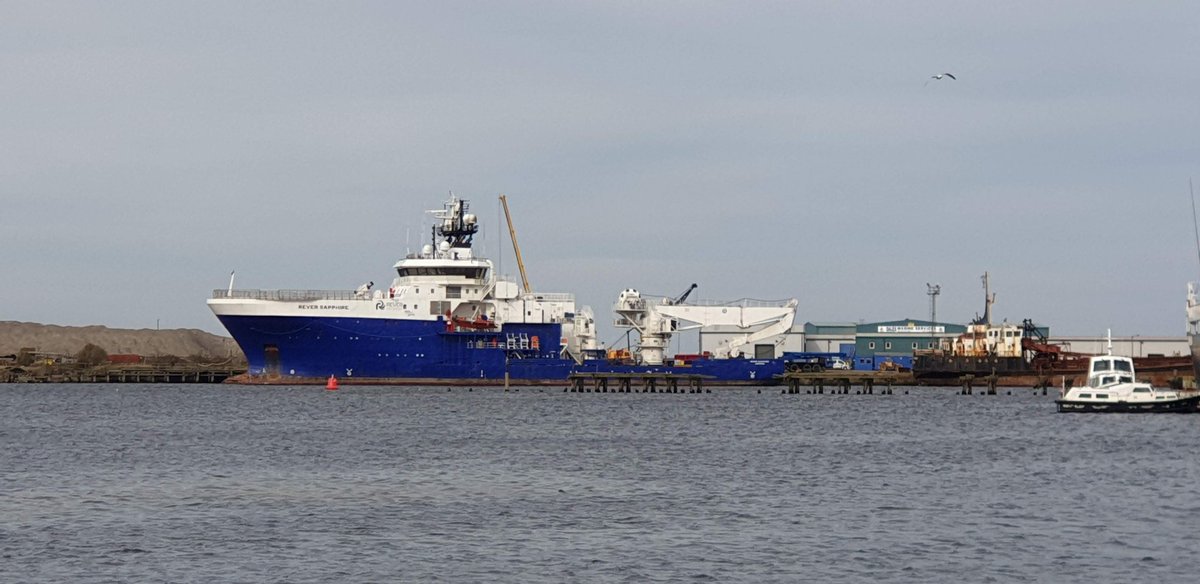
(1113, 387)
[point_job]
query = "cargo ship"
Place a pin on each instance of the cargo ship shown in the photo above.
(448, 318)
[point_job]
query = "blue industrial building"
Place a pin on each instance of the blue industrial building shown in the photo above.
(894, 341)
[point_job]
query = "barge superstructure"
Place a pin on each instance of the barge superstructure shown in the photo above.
(1023, 354)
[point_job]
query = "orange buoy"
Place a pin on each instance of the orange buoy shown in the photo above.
(331, 385)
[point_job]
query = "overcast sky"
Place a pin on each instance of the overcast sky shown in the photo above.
(765, 150)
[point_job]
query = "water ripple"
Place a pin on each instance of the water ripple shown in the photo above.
(214, 483)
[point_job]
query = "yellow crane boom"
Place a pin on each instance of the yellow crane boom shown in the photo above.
(512, 233)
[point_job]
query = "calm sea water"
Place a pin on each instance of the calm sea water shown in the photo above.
(163, 483)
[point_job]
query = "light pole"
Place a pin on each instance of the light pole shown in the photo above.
(933, 290)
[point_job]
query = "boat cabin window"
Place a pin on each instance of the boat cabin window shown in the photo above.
(1126, 379)
(1102, 396)
(1141, 390)
(474, 273)
(1085, 396)
(1102, 366)
(1107, 379)
(1123, 365)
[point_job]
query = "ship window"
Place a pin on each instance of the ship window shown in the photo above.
(1102, 366)
(1126, 379)
(453, 291)
(1102, 396)
(1085, 396)
(1140, 390)
(1122, 366)
(475, 273)
(1107, 380)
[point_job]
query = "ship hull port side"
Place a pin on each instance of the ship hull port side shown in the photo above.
(286, 350)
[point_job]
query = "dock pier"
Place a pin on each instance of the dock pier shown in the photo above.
(177, 374)
(635, 383)
(841, 382)
(968, 384)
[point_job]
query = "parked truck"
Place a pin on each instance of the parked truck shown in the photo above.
(795, 361)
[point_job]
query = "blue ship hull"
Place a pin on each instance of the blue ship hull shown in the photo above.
(420, 351)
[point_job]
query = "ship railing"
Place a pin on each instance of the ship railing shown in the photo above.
(551, 296)
(743, 303)
(288, 295)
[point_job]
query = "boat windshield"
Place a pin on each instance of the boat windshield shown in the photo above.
(1123, 365)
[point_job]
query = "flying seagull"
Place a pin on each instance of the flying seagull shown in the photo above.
(939, 76)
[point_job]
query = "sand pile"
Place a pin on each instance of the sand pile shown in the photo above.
(69, 340)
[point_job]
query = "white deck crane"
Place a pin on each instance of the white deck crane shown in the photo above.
(656, 320)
